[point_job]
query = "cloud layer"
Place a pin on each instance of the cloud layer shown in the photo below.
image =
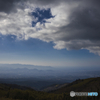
(76, 24)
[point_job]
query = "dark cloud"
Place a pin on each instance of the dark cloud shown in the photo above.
(46, 2)
(8, 6)
(84, 25)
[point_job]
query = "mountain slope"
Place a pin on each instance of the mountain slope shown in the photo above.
(15, 92)
(54, 87)
(5, 86)
(83, 85)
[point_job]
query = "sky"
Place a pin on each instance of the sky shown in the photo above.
(50, 32)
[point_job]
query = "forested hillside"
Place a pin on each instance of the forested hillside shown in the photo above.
(91, 85)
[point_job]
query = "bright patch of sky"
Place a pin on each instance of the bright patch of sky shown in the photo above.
(41, 15)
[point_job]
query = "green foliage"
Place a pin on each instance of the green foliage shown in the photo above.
(16, 94)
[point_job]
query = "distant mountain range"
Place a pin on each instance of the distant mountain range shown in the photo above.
(40, 77)
(25, 66)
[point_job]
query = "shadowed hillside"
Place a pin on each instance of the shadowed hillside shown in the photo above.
(16, 92)
(81, 85)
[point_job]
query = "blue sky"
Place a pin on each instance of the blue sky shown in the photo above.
(50, 34)
(37, 52)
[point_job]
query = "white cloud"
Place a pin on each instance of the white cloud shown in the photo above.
(16, 23)
(94, 49)
(66, 29)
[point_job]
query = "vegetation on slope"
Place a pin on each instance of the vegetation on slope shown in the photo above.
(84, 85)
(93, 84)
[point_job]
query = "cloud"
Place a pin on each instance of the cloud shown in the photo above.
(76, 24)
(8, 6)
